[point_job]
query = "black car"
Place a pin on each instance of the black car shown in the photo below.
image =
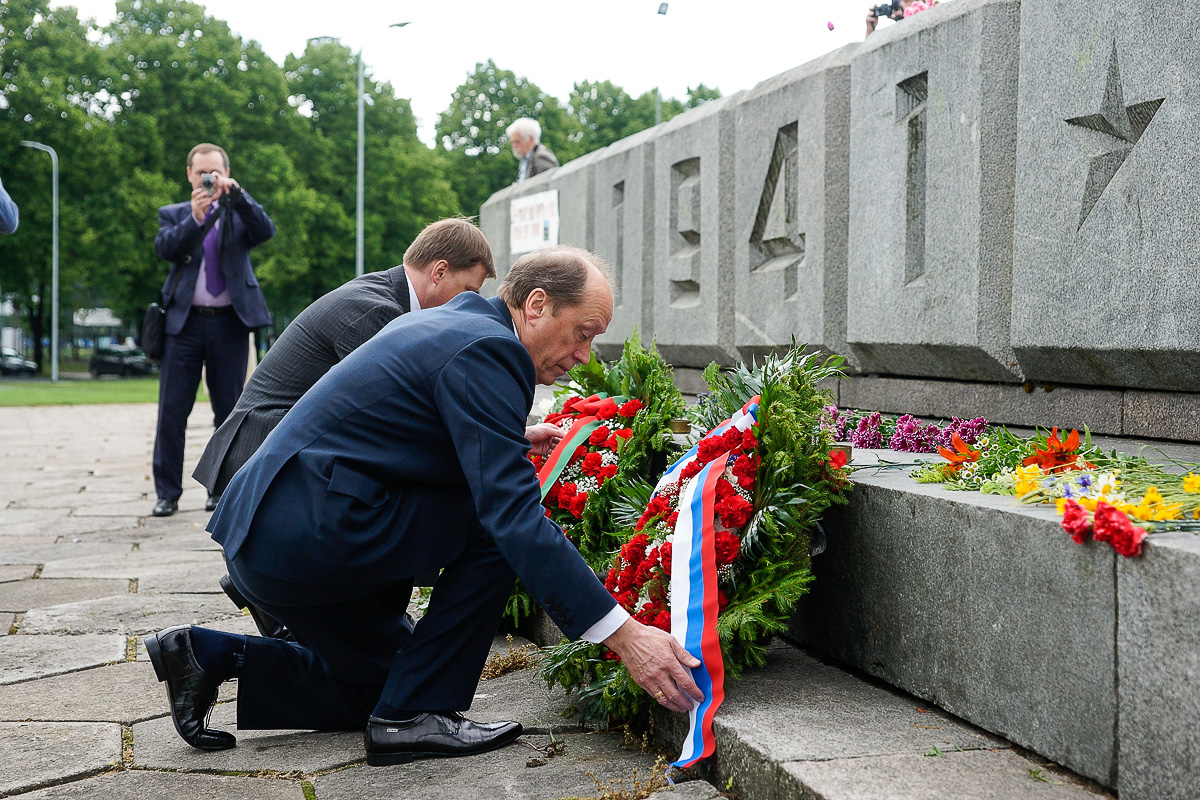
(13, 363)
(120, 359)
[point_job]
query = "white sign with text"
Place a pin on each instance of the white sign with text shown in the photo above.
(533, 222)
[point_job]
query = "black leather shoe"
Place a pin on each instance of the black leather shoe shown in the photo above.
(165, 507)
(434, 736)
(211, 503)
(190, 690)
(267, 625)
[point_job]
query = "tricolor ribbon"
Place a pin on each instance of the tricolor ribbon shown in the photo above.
(578, 435)
(694, 605)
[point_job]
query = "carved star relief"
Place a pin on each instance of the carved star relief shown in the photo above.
(1124, 123)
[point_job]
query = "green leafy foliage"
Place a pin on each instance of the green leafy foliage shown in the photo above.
(794, 486)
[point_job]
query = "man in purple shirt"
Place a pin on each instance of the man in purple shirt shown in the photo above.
(212, 300)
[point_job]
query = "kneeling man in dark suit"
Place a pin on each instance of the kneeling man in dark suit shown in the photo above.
(410, 456)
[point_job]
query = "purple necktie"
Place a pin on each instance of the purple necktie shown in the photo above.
(212, 258)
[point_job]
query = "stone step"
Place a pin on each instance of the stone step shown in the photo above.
(804, 729)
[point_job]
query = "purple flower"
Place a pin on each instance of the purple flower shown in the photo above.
(834, 420)
(968, 430)
(913, 437)
(867, 435)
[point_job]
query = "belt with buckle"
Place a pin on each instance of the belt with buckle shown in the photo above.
(211, 311)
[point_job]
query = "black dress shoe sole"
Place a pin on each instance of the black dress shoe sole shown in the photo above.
(154, 650)
(391, 759)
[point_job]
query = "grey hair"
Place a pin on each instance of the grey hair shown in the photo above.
(526, 127)
(561, 272)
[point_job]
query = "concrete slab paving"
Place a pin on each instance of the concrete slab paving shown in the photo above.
(40, 753)
(125, 692)
(20, 596)
(62, 526)
(24, 658)
(156, 745)
(6, 623)
(143, 784)
(155, 570)
(128, 614)
(50, 548)
(979, 775)
(78, 499)
(504, 773)
(16, 572)
(692, 790)
(523, 697)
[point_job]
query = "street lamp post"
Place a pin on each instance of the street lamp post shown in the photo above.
(53, 257)
(662, 10)
(358, 217)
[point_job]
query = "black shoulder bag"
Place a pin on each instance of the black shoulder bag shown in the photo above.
(154, 324)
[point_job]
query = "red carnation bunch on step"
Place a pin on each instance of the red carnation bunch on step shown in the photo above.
(1108, 524)
(592, 463)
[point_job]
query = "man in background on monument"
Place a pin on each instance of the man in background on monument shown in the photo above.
(213, 301)
(448, 257)
(525, 136)
(9, 216)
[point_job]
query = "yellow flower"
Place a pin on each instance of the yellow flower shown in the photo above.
(1060, 504)
(1090, 503)
(1165, 511)
(1191, 483)
(1027, 479)
(1152, 496)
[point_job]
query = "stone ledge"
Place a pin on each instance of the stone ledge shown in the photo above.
(988, 609)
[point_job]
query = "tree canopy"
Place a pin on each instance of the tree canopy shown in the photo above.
(123, 104)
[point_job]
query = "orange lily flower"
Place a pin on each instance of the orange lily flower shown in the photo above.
(1059, 455)
(965, 454)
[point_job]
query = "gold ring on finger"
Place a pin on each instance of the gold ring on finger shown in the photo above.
(660, 694)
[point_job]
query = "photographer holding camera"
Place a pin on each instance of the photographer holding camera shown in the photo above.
(893, 10)
(212, 301)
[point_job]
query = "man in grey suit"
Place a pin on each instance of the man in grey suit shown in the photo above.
(525, 136)
(448, 257)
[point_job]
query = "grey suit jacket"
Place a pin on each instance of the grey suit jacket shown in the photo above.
(543, 159)
(321, 336)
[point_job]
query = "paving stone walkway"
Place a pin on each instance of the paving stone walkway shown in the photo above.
(85, 572)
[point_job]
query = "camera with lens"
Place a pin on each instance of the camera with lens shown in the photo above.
(886, 9)
(209, 182)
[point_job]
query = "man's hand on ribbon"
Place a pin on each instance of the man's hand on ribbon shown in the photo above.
(543, 437)
(658, 663)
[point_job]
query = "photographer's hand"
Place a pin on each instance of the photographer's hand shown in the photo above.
(227, 186)
(872, 21)
(201, 200)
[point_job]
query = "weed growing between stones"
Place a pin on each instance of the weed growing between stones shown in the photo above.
(517, 658)
(637, 789)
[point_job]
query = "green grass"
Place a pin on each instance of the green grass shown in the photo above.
(86, 391)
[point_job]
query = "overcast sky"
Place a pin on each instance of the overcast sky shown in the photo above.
(731, 46)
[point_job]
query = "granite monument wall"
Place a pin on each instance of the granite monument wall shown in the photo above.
(990, 199)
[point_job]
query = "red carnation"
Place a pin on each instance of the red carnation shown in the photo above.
(579, 453)
(709, 448)
(572, 401)
(599, 436)
(610, 582)
(727, 546)
(749, 441)
(628, 409)
(623, 433)
(551, 498)
(607, 409)
(634, 551)
(722, 600)
(733, 439)
(592, 463)
(611, 442)
(566, 491)
(577, 504)
(838, 458)
(744, 469)
(1127, 540)
(607, 471)
(664, 557)
(1076, 522)
(672, 518)
(662, 621)
(691, 470)
(1107, 521)
(733, 511)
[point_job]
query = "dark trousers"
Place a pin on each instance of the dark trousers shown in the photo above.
(351, 654)
(218, 342)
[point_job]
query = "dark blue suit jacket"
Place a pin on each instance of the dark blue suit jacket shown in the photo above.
(244, 225)
(401, 451)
